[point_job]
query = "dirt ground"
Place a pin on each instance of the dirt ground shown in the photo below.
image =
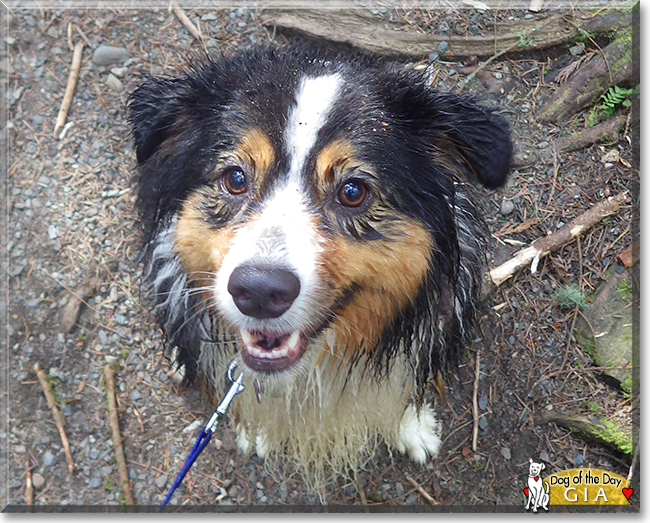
(70, 224)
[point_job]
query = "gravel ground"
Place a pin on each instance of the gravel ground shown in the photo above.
(71, 231)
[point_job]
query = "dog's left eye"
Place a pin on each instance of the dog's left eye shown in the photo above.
(234, 180)
(353, 193)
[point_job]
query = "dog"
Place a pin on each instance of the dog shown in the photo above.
(537, 495)
(308, 213)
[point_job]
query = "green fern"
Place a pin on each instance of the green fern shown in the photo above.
(615, 96)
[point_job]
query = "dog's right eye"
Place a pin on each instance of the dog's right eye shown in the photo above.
(234, 181)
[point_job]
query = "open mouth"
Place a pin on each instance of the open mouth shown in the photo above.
(268, 352)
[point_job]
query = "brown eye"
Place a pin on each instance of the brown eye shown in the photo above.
(353, 193)
(234, 180)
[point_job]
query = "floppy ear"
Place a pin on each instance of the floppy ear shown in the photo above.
(480, 137)
(152, 110)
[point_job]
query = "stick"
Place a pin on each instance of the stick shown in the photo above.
(117, 438)
(492, 58)
(56, 413)
(543, 246)
(69, 90)
(180, 14)
(29, 487)
(424, 493)
(475, 401)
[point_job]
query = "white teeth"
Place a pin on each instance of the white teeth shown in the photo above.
(246, 337)
(293, 340)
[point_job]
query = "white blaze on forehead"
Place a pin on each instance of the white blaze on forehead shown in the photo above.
(314, 99)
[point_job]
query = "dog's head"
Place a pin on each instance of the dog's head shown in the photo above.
(534, 469)
(313, 196)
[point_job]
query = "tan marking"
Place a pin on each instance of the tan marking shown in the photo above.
(334, 156)
(389, 274)
(256, 148)
(200, 248)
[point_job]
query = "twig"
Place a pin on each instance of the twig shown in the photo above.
(475, 401)
(544, 246)
(56, 413)
(492, 58)
(633, 465)
(180, 14)
(29, 487)
(424, 493)
(117, 438)
(69, 90)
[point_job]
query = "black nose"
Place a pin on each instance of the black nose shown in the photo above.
(263, 292)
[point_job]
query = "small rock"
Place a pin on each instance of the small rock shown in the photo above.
(20, 449)
(15, 483)
(233, 491)
(507, 207)
(284, 493)
(111, 360)
(606, 261)
(442, 47)
(108, 55)
(94, 454)
(48, 459)
(52, 232)
(433, 56)
(578, 459)
(544, 456)
(161, 481)
(94, 483)
(209, 17)
(575, 50)
(114, 83)
(498, 75)
(452, 72)
(411, 499)
(619, 269)
(542, 145)
(482, 402)
(399, 489)
(193, 426)
(529, 16)
(135, 395)
(505, 452)
(525, 107)
(120, 319)
(482, 423)
(38, 481)
(120, 72)
(103, 339)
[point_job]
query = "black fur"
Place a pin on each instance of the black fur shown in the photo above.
(432, 144)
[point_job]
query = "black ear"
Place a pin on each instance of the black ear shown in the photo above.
(152, 111)
(479, 136)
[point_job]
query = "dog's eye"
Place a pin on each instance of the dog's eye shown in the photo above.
(234, 180)
(352, 193)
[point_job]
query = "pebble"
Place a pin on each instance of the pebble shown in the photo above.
(529, 16)
(120, 72)
(399, 489)
(284, 493)
(193, 426)
(544, 456)
(94, 454)
(233, 491)
(48, 459)
(108, 55)
(452, 72)
(111, 360)
(542, 145)
(507, 207)
(498, 75)
(135, 395)
(433, 56)
(15, 483)
(578, 459)
(94, 483)
(442, 47)
(120, 319)
(161, 481)
(114, 83)
(411, 499)
(619, 269)
(482, 423)
(483, 402)
(52, 232)
(20, 449)
(209, 17)
(575, 50)
(38, 481)
(505, 452)
(103, 339)
(525, 107)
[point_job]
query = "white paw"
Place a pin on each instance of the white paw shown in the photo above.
(244, 443)
(176, 373)
(418, 433)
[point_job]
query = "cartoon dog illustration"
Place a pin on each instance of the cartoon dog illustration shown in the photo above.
(537, 496)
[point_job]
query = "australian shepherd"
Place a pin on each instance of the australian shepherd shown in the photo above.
(307, 213)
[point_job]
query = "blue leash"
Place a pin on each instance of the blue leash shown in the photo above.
(206, 432)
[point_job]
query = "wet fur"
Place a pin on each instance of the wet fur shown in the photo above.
(350, 389)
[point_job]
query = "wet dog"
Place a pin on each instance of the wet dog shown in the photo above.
(308, 213)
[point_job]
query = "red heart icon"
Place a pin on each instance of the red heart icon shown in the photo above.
(627, 492)
(526, 492)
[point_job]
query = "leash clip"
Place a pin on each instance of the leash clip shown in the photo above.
(206, 433)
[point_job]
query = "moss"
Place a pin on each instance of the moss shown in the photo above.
(627, 385)
(569, 296)
(615, 436)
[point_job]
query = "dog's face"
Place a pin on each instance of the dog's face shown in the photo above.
(310, 196)
(535, 469)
